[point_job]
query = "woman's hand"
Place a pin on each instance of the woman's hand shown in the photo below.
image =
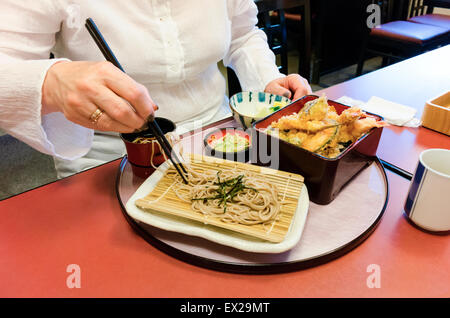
(292, 86)
(78, 89)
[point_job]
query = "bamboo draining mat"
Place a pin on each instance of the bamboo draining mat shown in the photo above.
(289, 187)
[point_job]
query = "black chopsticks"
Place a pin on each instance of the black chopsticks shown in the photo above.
(154, 127)
(101, 43)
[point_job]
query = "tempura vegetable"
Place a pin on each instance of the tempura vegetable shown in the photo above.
(317, 127)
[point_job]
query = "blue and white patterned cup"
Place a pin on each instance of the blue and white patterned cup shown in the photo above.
(428, 202)
(246, 105)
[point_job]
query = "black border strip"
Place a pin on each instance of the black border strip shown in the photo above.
(263, 268)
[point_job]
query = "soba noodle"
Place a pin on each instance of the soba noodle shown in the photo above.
(152, 140)
(232, 196)
(143, 140)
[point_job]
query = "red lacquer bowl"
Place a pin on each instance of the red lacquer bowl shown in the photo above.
(144, 158)
(217, 135)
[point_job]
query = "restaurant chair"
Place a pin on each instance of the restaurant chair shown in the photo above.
(396, 40)
(278, 18)
(421, 11)
(273, 23)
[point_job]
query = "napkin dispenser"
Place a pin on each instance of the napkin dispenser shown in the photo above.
(436, 114)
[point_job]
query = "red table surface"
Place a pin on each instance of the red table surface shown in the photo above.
(412, 82)
(79, 221)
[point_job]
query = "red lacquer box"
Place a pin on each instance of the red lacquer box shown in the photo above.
(324, 177)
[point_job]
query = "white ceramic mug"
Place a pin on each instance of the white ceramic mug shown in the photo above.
(428, 202)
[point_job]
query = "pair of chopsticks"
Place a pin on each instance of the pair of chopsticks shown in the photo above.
(153, 125)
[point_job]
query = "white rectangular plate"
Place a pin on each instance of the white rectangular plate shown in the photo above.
(213, 233)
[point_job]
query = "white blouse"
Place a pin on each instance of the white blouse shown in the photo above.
(170, 46)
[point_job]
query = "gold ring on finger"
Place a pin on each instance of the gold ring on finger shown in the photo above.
(96, 115)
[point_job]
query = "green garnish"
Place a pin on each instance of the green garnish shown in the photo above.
(275, 108)
(227, 190)
(231, 143)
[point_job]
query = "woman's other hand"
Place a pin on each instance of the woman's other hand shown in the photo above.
(78, 89)
(292, 86)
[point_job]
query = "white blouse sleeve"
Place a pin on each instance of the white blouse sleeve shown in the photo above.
(27, 34)
(249, 54)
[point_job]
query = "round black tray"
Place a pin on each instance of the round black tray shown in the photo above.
(330, 231)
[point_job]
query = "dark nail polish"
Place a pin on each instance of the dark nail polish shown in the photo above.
(144, 127)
